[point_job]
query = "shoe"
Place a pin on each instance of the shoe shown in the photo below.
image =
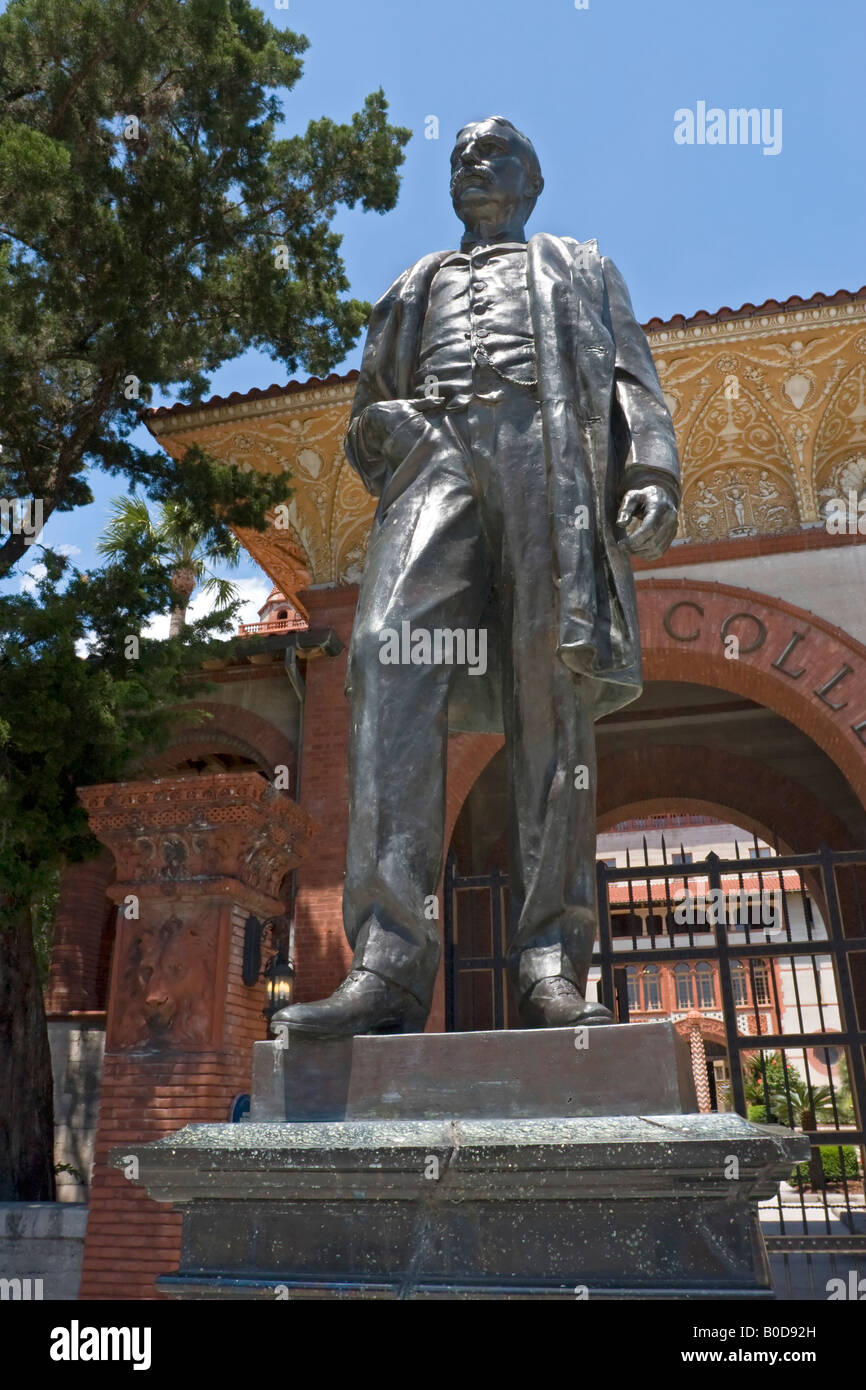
(557, 1003)
(363, 1003)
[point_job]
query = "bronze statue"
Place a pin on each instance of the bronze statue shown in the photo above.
(509, 418)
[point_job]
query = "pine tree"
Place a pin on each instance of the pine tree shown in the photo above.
(154, 224)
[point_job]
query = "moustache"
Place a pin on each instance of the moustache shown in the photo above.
(464, 176)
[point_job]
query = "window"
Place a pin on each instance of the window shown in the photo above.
(761, 982)
(631, 984)
(762, 852)
(705, 985)
(738, 980)
(684, 991)
(626, 924)
(608, 863)
(644, 989)
(682, 857)
(652, 993)
(722, 1078)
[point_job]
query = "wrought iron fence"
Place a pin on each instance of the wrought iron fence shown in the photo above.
(762, 962)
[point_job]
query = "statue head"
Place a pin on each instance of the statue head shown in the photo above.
(495, 177)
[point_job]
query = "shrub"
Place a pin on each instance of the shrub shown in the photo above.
(836, 1161)
(758, 1115)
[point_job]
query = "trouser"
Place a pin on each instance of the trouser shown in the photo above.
(466, 511)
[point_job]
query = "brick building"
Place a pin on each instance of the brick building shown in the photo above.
(245, 813)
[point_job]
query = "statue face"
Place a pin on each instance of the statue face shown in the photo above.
(489, 180)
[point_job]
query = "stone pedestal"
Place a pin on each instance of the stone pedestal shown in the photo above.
(562, 1163)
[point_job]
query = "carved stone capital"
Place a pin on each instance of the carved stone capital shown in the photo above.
(205, 834)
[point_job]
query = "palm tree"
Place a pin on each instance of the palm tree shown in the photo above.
(184, 547)
(783, 1080)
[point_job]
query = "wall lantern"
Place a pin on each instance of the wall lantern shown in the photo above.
(278, 971)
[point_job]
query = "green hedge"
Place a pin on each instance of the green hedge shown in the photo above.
(830, 1162)
(758, 1115)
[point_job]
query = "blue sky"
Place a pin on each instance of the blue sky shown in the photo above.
(596, 89)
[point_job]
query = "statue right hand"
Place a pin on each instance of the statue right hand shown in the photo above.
(382, 420)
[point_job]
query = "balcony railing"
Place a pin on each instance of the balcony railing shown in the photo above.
(296, 624)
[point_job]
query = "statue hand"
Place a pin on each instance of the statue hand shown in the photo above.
(648, 518)
(381, 420)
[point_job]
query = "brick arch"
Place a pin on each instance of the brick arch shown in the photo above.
(663, 777)
(822, 651)
(230, 729)
(789, 660)
(711, 1029)
(468, 756)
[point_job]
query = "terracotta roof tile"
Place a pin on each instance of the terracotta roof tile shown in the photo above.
(747, 310)
(257, 393)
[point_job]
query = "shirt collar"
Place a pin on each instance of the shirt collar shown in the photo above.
(481, 253)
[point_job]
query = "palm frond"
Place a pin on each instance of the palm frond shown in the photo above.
(225, 592)
(130, 521)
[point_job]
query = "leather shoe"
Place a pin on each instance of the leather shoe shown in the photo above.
(363, 1003)
(557, 1003)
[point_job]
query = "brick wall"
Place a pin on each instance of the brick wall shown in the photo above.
(76, 978)
(322, 955)
(130, 1238)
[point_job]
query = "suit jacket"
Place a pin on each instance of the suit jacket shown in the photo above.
(606, 428)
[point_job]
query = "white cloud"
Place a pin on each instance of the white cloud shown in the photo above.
(252, 592)
(28, 579)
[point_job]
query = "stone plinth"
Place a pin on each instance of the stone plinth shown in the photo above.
(631, 1068)
(419, 1189)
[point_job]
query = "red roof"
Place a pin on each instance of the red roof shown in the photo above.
(257, 393)
(745, 311)
(748, 310)
(698, 885)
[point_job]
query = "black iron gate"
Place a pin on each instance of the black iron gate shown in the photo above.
(763, 958)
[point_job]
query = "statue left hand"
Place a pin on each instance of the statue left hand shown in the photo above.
(648, 518)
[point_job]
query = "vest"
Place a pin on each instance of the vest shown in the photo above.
(478, 315)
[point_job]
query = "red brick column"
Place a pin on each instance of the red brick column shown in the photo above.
(73, 981)
(321, 951)
(699, 1062)
(195, 856)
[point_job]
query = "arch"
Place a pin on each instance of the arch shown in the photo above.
(468, 755)
(839, 429)
(712, 1030)
(686, 644)
(737, 470)
(230, 729)
(727, 786)
(796, 664)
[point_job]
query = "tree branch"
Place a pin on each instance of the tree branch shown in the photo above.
(98, 57)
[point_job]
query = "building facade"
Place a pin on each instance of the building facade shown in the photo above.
(751, 727)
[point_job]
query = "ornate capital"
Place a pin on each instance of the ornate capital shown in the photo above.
(202, 835)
